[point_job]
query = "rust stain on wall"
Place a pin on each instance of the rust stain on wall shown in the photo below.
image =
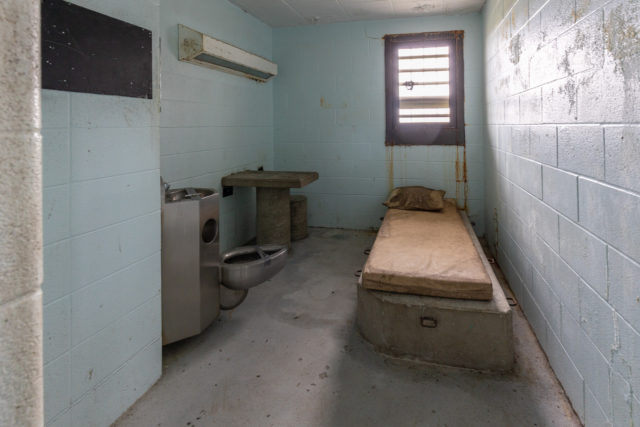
(324, 103)
(462, 184)
(389, 161)
(497, 240)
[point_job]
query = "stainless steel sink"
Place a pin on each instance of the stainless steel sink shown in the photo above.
(188, 193)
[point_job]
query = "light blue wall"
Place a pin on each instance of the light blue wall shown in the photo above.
(101, 214)
(213, 123)
(329, 117)
(563, 188)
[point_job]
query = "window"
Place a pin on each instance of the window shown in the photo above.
(424, 89)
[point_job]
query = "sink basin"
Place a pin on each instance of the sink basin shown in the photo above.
(188, 193)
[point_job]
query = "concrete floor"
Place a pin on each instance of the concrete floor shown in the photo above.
(290, 356)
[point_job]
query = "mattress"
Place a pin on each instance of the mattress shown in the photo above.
(427, 253)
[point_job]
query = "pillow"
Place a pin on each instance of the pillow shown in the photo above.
(415, 198)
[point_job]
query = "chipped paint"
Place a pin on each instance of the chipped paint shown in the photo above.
(515, 49)
(621, 34)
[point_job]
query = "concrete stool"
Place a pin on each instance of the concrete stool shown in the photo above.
(298, 208)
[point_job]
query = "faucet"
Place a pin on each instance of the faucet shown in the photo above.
(165, 185)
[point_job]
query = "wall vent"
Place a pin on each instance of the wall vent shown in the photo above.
(200, 49)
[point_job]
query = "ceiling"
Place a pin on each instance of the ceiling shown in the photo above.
(288, 13)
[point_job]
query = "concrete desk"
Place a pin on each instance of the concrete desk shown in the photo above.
(273, 221)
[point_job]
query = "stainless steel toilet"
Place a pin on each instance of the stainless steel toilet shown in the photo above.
(248, 266)
(193, 269)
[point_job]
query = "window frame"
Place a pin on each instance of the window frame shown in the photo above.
(452, 133)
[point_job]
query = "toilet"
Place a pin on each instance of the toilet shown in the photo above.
(248, 266)
(198, 281)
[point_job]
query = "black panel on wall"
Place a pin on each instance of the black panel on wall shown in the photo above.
(85, 51)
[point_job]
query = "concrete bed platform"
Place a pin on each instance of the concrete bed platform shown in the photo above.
(456, 332)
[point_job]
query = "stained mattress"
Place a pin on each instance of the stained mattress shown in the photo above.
(427, 253)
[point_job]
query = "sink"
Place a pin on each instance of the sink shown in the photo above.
(188, 193)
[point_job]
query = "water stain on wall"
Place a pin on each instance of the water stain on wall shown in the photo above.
(621, 32)
(389, 164)
(462, 182)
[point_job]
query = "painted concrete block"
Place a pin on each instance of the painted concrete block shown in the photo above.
(526, 174)
(519, 14)
(534, 315)
(531, 106)
(560, 190)
(622, 148)
(594, 414)
(548, 300)
(56, 335)
(581, 48)
(57, 271)
(606, 96)
(512, 110)
(624, 292)
(96, 306)
(106, 111)
(105, 404)
(101, 202)
(626, 357)
(62, 420)
(559, 101)
(55, 108)
(567, 373)
(585, 7)
(581, 150)
(104, 152)
(57, 386)
(520, 140)
(610, 214)
(55, 213)
(586, 254)
(557, 16)
(597, 320)
(544, 144)
(56, 158)
(563, 281)
(99, 356)
(522, 205)
(593, 367)
(621, 399)
(543, 66)
(545, 222)
(98, 254)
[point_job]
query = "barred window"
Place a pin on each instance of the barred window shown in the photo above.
(424, 89)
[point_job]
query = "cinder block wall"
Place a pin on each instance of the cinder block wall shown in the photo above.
(101, 179)
(563, 187)
(330, 118)
(213, 123)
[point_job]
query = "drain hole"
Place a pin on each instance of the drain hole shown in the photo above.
(209, 231)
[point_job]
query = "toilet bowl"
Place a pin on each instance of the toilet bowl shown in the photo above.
(247, 266)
